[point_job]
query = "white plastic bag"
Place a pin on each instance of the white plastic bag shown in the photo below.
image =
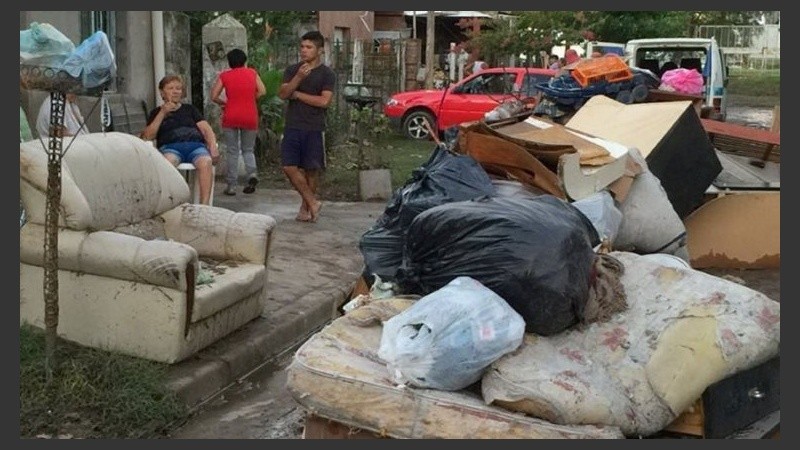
(43, 40)
(600, 209)
(649, 221)
(449, 337)
(92, 61)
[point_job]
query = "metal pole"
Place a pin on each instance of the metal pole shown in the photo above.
(54, 154)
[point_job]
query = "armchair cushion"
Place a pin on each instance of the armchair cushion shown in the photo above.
(231, 281)
(220, 233)
(114, 255)
(108, 180)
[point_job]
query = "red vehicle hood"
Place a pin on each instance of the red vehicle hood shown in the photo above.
(424, 95)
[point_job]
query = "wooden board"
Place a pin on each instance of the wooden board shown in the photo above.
(642, 125)
(317, 427)
(739, 230)
(128, 115)
(741, 132)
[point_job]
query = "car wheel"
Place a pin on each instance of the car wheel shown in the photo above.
(414, 125)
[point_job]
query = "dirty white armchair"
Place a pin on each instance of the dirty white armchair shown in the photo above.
(130, 252)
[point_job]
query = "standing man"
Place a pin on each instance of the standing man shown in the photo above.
(308, 85)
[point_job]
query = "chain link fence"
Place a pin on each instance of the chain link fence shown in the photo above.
(747, 46)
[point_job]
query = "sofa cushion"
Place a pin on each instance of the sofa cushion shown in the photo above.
(108, 180)
(220, 233)
(230, 282)
(114, 255)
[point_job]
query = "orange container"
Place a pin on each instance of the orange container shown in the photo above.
(610, 68)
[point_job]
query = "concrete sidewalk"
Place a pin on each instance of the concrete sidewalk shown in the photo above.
(312, 269)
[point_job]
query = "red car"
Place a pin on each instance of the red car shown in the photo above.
(464, 101)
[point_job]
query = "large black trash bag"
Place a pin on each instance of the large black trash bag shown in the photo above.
(536, 253)
(446, 177)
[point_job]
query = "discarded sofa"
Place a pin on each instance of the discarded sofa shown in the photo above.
(130, 249)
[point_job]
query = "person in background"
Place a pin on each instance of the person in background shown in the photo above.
(182, 134)
(73, 119)
(553, 63)
(474, 63)
(309, 86)
(242, 86)
(571, 56)
(571, 59)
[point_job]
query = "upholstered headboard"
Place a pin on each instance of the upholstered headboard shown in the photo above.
(108, 180)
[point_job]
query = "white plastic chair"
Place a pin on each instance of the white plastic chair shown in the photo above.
(189, 173)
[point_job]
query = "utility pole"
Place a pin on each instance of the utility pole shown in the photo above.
(430, 33)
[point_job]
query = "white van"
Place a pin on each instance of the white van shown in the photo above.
(661, 54)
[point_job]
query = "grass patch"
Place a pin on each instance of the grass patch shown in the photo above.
(93, 394)
(340, 180)
(754, 83)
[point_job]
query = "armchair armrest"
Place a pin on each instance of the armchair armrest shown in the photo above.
(221, 233)
(114, 255)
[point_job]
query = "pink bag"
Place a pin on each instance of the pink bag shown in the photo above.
(685, 81)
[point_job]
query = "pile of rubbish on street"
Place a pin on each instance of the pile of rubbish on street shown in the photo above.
(533, 280)
(567, 92)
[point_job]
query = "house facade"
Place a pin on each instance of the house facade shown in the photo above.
(140, 63)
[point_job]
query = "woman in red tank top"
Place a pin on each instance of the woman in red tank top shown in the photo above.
(241, 86)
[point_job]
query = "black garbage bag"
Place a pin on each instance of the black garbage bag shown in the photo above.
(446, 177)
(536, 253)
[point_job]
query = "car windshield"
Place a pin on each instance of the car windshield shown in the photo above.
(489, 83)
(530, 81)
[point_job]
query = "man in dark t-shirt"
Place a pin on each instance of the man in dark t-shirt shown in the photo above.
(308, 85)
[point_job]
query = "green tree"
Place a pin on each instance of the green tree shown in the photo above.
(622, 26)
(533, 31)
(263, 28)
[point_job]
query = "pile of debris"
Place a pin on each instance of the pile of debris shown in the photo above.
(538, 268)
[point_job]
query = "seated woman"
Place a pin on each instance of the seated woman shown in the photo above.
(182, 134)
(73, 119)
